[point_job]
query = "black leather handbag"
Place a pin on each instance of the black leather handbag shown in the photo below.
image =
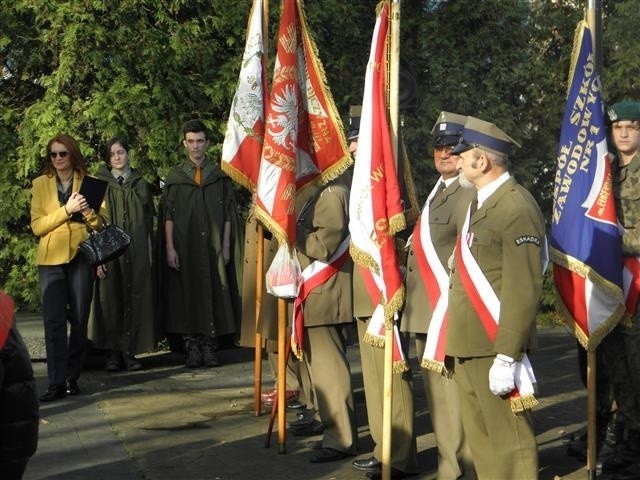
(105, 245)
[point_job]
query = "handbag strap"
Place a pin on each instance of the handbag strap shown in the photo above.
(90, 227)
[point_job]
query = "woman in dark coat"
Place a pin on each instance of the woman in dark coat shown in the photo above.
(18, 398)
(123, 317)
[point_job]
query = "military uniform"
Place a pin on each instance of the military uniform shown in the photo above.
(403, 440)
(322, 227)
(450, 199)
(507, 233)
(454, 457)
(621, 347)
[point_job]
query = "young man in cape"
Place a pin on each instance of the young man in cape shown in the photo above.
(203, 248)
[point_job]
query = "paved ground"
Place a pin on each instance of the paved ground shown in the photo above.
(170, 423)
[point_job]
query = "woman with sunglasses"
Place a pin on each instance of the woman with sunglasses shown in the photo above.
(58, 216)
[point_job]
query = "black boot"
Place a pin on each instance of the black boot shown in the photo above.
(626, 454)
(612, 438)
(194, 355)
(208, 346)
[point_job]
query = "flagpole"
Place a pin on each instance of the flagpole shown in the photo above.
(394, 62)
(593, 21)
(257, 366)
(282, 373)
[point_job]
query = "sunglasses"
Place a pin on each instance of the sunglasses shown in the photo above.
(62, 154)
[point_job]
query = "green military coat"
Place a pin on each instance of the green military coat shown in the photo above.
(508, 238)
(203, 297)
(322, 225)
(123, 314)
(446, 207)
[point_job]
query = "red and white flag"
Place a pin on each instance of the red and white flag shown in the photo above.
(304, 142)
(242, 145)
(375, 206)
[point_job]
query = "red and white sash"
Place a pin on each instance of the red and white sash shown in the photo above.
(435, 279)
(487, 306)
(375, 334)
(316, 273)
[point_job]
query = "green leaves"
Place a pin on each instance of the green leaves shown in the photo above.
(140, 68)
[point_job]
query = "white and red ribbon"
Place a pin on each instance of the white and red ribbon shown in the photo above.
(314, 275)
(487, 306)
(435, 279)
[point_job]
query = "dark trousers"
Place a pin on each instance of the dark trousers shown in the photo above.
(66, 297)
(621, 356)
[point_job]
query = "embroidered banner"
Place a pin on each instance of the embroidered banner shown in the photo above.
(585, 241)
(242, 145)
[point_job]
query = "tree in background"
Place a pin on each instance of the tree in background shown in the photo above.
(140, 68)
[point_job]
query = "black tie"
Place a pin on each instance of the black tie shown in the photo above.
(120, 179)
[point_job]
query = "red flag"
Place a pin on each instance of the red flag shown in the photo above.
(375, 207)
(242, 145)
(304, 142)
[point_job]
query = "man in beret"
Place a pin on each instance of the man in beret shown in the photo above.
(621, 348)
(429, 249)
(495, 288)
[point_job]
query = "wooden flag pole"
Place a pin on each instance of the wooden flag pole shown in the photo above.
(593, 20)
(591, 414)
(394, 62)
(282, 375)
(257, 367)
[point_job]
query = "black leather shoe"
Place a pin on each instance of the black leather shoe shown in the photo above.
(327, 455)
(54, 392)
(395, 474)
(314, 444)
(367, 464)
(305, 417)
(313, 428)
(72, 387)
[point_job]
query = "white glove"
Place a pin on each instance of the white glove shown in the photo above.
(502, 375)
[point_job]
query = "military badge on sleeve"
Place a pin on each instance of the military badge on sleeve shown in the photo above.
(527, 239)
